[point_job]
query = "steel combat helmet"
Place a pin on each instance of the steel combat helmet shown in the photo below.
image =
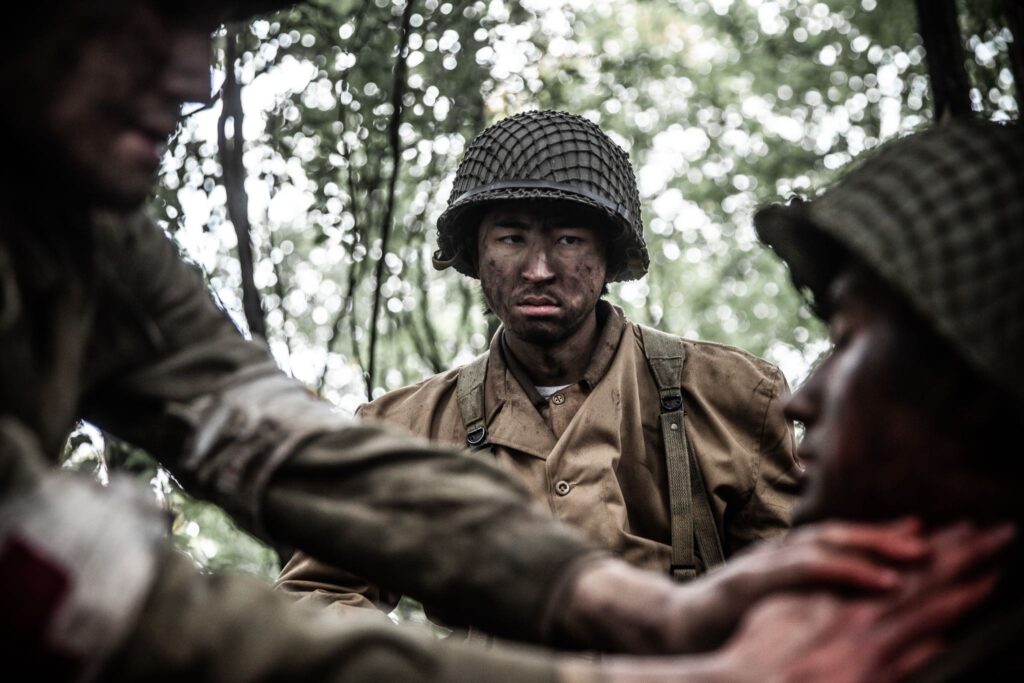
(221, 10)
(940, 217)
(542, 155)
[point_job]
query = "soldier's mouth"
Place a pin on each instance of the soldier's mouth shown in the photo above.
(147, 141)
(142, 147)
(538, 306)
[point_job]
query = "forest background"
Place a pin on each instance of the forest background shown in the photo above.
(308, 191)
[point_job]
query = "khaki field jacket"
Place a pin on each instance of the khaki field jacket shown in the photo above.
(592, 454)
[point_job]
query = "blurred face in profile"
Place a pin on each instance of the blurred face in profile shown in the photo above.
(542, 267)
(896, 423)
(105, 111)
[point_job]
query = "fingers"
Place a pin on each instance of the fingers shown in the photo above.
(899, 541)
(836, 554)
(963, 548)
(840, 569)
(872, 557)
(929, 616)
(912, 659)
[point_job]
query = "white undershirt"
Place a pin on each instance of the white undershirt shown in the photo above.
(548, 392)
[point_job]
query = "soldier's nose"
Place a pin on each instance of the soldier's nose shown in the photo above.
(537, 267)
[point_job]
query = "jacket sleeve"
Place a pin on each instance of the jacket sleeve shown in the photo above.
(233, 629)
(768, 508)
(96, 593)
(453, 532)
(309, 581)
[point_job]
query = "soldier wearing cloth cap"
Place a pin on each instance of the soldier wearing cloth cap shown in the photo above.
(673, 454)
(916, 261)
(100, 318)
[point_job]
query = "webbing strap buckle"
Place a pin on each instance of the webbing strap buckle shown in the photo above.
(477, 438)
(683, 572)
(670, 404)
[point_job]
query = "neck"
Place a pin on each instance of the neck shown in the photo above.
(560, 362)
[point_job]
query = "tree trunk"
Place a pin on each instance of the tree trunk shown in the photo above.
(946, 67)
(1015, 21)
(397, 93)
(230, 152)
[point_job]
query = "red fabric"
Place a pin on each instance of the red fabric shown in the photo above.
(32, 589)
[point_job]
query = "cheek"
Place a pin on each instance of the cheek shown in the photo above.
(848, 417)
(876, 439)
(492, 280)
(588, 274)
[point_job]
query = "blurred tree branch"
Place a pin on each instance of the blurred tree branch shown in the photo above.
(231, 158)
(1015, 19)
(940, 32)
(398, 83)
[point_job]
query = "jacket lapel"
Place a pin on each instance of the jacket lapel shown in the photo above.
(514, 423)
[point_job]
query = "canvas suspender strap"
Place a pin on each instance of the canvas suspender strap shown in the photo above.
(692, 520)
(469, 392)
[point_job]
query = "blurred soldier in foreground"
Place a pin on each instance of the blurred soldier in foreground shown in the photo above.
(916, 261)
(672, 454)
(100, 318)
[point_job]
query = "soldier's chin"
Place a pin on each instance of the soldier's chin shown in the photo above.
(124, 194)
(540, 332)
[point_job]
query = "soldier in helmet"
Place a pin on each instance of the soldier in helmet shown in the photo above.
(916, 261)
(672, 454)
(100, 318)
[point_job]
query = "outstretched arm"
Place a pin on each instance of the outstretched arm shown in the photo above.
(213, 408)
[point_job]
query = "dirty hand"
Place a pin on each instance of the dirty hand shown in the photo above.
(823, 636)
(615, 607)
(817, 634)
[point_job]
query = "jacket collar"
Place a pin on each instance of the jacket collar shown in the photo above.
(512, 399)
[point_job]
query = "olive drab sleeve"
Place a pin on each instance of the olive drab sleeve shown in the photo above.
(76, 562)
(94, 592)
(452, 532)
(234, 629)
(310, 581)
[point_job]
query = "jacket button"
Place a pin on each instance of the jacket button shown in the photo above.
(562, 488)
(558, 399)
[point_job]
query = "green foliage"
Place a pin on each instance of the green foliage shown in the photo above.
(201, 530)
(724, 105)
(213, 541)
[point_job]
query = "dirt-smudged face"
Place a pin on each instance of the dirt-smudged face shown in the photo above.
(107, 111)
(542, 267)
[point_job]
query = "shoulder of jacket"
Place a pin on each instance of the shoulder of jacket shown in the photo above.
(732, 358)
(430, 390)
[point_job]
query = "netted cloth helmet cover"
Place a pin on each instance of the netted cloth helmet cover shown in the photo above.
(543, 155)
(940, 216)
